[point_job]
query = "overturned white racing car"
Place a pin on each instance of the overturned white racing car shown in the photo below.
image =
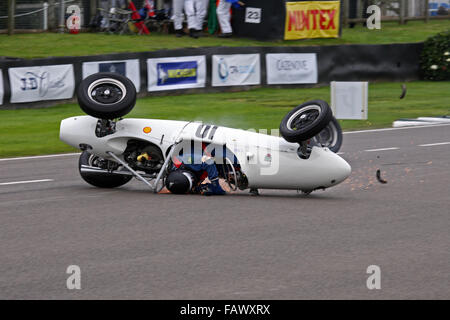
(115, 150)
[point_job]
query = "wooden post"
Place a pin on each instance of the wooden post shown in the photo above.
(51, 15)
(61, 17)
(345, 13)
(401, 11)
(406, 11)
(93, 8)
(359, 9)
(11, 12)
(427, 16)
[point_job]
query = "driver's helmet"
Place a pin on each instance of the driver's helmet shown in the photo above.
(180, 181)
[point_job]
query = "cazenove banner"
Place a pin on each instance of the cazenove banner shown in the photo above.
(30, 84)
(236, 70)
(1, 87)
(312, 19)
(127, 68)
(291, 68)
(176, 73)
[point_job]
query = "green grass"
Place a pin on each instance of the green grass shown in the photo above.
(53, 44)
(36, 131)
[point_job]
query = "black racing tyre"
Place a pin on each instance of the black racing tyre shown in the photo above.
(330, 136)
(100, 180)
(305, 121)
(106, 95)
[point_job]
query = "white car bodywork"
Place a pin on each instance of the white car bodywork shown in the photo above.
(267, 161)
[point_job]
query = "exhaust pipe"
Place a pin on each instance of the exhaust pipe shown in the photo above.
(96, 170)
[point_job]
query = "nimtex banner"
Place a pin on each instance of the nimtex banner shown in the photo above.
(312, 19)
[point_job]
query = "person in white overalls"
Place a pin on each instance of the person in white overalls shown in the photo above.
(223, 15)
(196, 12)
(177, 17)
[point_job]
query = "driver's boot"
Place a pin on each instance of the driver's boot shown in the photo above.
(216, 188)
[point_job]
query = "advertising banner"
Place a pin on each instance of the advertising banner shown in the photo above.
(127, 68)
(176, 73)
(30, 84)
(236, 70)
(312, 19)
(349, 100)
(291, 68)
(1, 87)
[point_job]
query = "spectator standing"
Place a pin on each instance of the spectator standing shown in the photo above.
(195, 11)
(177, 17)
(224, 16)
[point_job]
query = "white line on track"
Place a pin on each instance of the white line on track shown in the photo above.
(382, 149)
(42, 157)
(393, 129)
(23, 182)
(433, 144)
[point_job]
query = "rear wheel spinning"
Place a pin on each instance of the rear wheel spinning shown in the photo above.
(101, 180)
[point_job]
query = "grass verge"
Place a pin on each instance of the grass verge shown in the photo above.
(53, 44)
(36, 131)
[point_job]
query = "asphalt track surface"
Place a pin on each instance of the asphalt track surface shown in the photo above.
(132, 244)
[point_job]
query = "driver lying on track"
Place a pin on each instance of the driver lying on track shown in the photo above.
(188, 173)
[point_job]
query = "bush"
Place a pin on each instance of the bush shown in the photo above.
(435, 57)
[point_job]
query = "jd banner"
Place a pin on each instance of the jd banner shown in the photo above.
(176, 73)
(236, 70)
(30, 84)
(1, 87)
(312, 19)
(127, 68)
(291, 68)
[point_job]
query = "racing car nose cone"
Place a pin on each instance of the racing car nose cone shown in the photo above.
(344, 170)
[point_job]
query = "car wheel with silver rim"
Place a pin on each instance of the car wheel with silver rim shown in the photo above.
(305, 121)
(106, 95)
